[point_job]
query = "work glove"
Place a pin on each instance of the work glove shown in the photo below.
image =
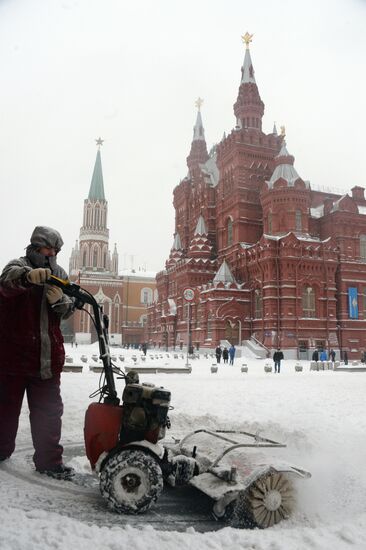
(54, 294)
(38, 276)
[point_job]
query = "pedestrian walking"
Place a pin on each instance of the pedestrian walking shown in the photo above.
(277, 358)
(232, 351)
(218, 353)
(225, 355)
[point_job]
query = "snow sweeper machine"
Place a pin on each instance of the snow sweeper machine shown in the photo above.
(125, 444)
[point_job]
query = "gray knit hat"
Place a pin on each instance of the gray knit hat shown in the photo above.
(46, 236)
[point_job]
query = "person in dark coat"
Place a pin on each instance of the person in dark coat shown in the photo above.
(345, 357)
(332, 355)
(218, 353)
(277, 358)
(225, 355)
(31, 350)
(232, 354)
(315, 356)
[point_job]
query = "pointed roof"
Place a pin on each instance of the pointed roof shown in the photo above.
(247, 70)
(224, 274)
(177, 245)
(200, 227)
(198, 129)
(96, 191)
(285, 168)
(274, 131)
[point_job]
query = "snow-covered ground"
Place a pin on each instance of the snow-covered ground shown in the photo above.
(320, 415)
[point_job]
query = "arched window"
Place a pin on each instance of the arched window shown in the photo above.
(270, 223)
(95, 257)
(146, 296)
(209, 327)
(363, 248)
(229, 231)
(298, 220)
(308, 302)
(97, 211)
(84, 257)
(258, 304)
(105, 259)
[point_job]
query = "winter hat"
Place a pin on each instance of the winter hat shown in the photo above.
(46, 236)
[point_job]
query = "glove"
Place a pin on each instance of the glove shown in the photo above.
(54, 295)
(38, 276)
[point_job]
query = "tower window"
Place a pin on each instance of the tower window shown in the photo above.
(95, 257)
(298, 220)
(308, 302)
(229, 232)
(258, 304)
(363, 248)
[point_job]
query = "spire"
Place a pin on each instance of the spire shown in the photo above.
(274, 131)
(249, 107)
(198, 153)
(200, 227)
(224, 274)
(177, 245)
(247, 71)
(176, 252)
(96, 191)
(198, 130)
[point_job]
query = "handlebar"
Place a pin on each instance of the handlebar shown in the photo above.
(82, 297)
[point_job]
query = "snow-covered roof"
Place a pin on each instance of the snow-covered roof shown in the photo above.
(210, 168)
(138, 273)
(224, 274)
(318, 211)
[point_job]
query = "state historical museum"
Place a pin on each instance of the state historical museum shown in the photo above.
(270, 259)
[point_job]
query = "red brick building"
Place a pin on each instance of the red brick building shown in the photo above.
(269, 258)
(124, 295)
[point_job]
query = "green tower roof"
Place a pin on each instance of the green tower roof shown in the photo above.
(96, 191)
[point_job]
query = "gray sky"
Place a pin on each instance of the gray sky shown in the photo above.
(130, 72)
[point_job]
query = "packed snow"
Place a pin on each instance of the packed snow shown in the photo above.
(319, 415)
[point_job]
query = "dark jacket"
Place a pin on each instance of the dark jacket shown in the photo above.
(31, 341)
(225, 354)
(277, 356)
(218, 351)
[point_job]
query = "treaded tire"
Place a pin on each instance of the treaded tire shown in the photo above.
(269, 500)
(131, 481)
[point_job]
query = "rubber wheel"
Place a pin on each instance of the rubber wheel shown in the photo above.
(131, 481)
(266, 502)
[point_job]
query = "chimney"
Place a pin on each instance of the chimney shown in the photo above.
(358, 193)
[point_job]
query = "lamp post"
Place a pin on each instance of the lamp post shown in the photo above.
(188, 295)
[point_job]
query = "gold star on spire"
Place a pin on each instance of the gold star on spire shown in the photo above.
(198, 103)
(247, 38)
(99, 141)
(283, 131)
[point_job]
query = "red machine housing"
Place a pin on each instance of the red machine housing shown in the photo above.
(101, 429)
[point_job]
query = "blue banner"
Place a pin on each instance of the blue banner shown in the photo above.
(352, 303)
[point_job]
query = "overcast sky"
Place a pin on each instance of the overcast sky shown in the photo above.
(130, 72)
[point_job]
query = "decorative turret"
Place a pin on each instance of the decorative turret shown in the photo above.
(176, 252)
(115, 260)
(200, 246)
(198, 153)
(286, 197)
(249, 107)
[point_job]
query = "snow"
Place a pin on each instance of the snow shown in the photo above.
(319, 415)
